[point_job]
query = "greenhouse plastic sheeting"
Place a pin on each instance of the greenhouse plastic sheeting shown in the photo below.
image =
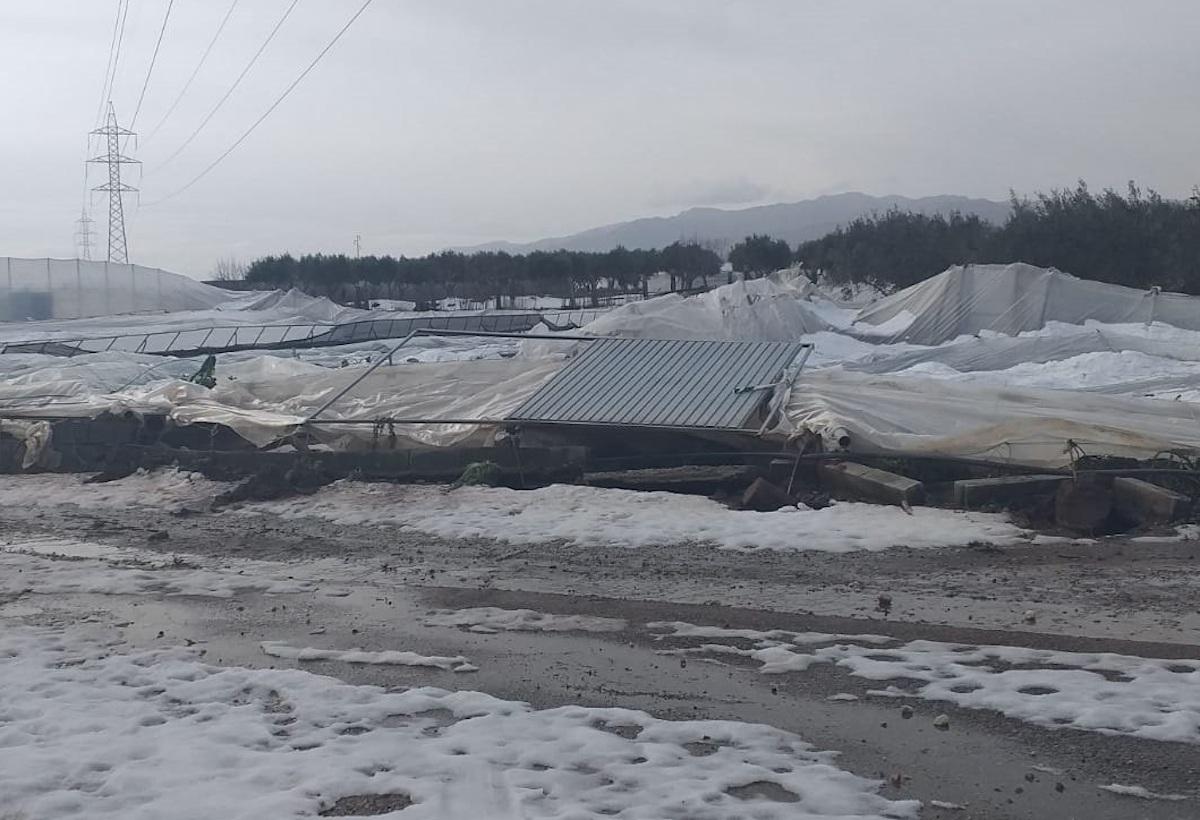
(759, 310)
(264, 399)
(253, 309)
(973, 354)
(1014, 298)
(257, 320)
(908, 414)
(32, 289)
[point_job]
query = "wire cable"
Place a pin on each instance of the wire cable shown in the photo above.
(112, 79)
(104, 88)
(112, 46)
(228, 93)
(266, 113)
(153, 59)
(203, 57)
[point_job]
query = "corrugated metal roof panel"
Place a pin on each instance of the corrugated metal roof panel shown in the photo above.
(661, 383)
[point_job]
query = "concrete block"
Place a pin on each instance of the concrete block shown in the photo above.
(695, 479)
(764, 496)
(861, 483)
(1147, 503)
(1082, 505)
(973, 493)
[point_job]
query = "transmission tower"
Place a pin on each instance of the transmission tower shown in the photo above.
(114, 159)
(83, 236)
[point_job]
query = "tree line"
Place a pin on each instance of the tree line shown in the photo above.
(488, 274)
(1138, 239)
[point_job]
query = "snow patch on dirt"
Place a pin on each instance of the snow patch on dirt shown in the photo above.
(390, 657)
(170, 489)
(1151, 698)
(63, 566)
(490, 619)
(1141, 792)
(593, 516)
(92, 732)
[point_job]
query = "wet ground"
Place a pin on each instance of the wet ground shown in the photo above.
(1128, 597)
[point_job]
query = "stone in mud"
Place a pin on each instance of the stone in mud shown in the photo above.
(763, 496)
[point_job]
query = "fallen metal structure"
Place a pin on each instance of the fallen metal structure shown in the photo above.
(650, 395)
(682, 385)
(639, 383)
(232, 338)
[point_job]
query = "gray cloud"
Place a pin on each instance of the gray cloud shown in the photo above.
(449, 122)
(713, 193)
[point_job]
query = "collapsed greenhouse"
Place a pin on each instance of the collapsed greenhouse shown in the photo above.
(1006, 364)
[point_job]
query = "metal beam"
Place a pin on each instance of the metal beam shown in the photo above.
(374, 366)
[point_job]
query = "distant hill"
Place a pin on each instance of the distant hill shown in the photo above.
(792, 221)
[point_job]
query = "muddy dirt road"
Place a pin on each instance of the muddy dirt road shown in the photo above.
(375, 587)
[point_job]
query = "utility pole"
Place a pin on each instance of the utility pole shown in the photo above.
(118, 250)
(83, 236)
(357, 245)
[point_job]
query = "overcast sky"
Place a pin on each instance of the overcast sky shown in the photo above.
(449, 122)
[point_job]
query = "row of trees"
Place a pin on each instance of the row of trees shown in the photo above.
(488, 274)
(1137, 239)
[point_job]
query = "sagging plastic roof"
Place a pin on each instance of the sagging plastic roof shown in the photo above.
(909, 414)
(1013, 298)
(265, 398)
(764, 310)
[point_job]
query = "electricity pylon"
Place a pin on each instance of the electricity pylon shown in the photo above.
(118, 250)
(83, 236)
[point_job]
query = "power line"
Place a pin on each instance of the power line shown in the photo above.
(153, 59)
(233, 87)
(112, 45)
(114, 53)
(111, 80)
(195, 71)
(108, 68)
(274, 105)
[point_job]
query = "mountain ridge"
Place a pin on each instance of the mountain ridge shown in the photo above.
(791, 221)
